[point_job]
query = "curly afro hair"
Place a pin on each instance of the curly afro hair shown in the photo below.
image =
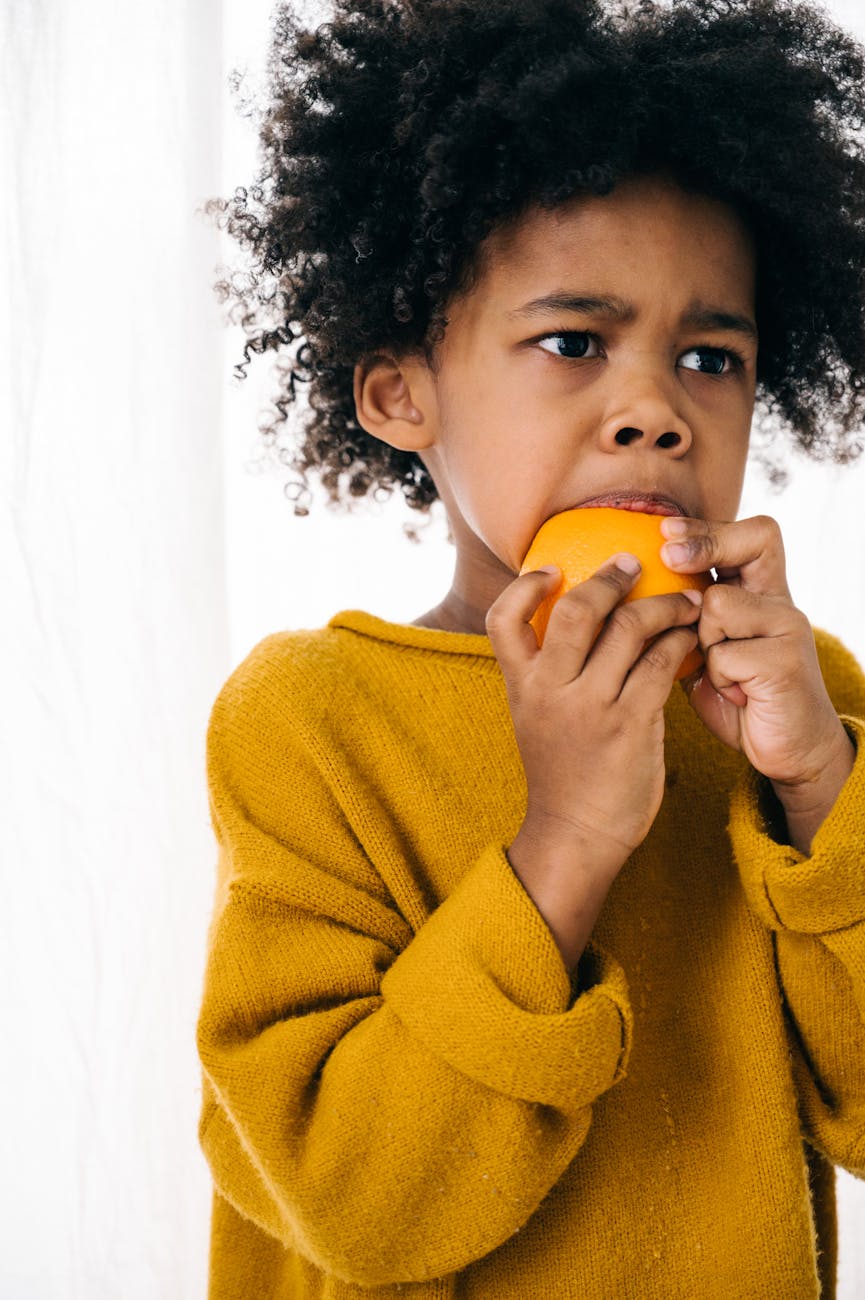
(398, 135)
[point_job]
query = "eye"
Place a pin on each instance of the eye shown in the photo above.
(717, 359)
(575, 343)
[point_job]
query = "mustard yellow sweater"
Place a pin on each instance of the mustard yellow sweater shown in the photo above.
(404, 1094)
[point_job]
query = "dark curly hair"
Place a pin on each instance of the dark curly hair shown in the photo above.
(398, 135)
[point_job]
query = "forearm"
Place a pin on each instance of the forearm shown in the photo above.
(568, 886)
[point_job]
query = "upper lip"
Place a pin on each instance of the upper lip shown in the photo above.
(635, 494)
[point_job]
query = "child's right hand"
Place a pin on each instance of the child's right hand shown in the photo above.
(588, 714)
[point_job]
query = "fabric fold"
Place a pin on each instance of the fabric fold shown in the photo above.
(492, 996)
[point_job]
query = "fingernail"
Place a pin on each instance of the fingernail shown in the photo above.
(627, 563)
(674, 552)
(695, 597)
(674, 527)
(547, 568)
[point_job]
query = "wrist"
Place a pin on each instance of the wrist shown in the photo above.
(812, 793)
(806, 805)
(564, 846)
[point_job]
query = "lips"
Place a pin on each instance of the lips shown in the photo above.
(649, 503)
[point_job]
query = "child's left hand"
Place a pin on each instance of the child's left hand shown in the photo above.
(761, 690)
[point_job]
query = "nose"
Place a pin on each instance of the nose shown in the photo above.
(647, 419)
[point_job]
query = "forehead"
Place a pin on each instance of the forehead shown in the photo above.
(648, 241)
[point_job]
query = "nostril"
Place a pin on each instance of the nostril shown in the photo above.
(626, 436)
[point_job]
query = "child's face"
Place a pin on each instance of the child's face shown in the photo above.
(517, 426)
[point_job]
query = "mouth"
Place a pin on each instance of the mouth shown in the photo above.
(648, 503)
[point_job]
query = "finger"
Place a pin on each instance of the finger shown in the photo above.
(765, 661)
(652, 677)
(578, 616)
(629, 632)
(507, 622)
(736, 614)
(747, 552)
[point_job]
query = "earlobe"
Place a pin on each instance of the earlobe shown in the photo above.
(391, 403)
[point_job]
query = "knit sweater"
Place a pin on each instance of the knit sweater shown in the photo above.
(405, 1094)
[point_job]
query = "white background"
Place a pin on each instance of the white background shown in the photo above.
(141, 560)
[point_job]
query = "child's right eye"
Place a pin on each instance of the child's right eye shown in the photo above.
(575, 343)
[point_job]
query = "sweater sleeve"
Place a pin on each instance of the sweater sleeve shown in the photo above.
(391, 1104)
(815, 906)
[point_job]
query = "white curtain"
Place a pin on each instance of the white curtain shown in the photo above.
(115, 638)
(140, 561)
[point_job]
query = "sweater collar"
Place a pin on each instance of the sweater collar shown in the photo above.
(406, 634)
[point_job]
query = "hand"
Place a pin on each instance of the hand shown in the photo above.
(588, 707)
(760, 690)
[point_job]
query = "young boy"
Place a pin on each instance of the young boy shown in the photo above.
(528, 974)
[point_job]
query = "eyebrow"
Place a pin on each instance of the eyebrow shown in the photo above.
(698, 315)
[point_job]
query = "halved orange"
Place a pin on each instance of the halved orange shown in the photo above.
(581, 541)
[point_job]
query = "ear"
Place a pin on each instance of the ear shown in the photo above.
(395, 401)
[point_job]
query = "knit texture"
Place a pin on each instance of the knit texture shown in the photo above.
(404, 1092)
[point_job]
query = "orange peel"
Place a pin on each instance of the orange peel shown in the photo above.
(581, 541)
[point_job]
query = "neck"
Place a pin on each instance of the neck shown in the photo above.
(478, 581)
(454, 614)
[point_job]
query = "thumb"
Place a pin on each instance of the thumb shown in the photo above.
(689, 683)
(721, 716)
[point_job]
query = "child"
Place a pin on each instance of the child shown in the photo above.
(530, 974)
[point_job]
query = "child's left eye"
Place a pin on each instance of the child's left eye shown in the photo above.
(574, 339)
(717, 357)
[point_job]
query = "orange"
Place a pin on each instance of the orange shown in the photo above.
(581, 541)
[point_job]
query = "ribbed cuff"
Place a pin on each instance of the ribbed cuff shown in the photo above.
(787, 890)
(483, 986)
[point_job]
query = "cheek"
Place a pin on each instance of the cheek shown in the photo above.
(506, 512)
(494, 500)
(724, 477)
